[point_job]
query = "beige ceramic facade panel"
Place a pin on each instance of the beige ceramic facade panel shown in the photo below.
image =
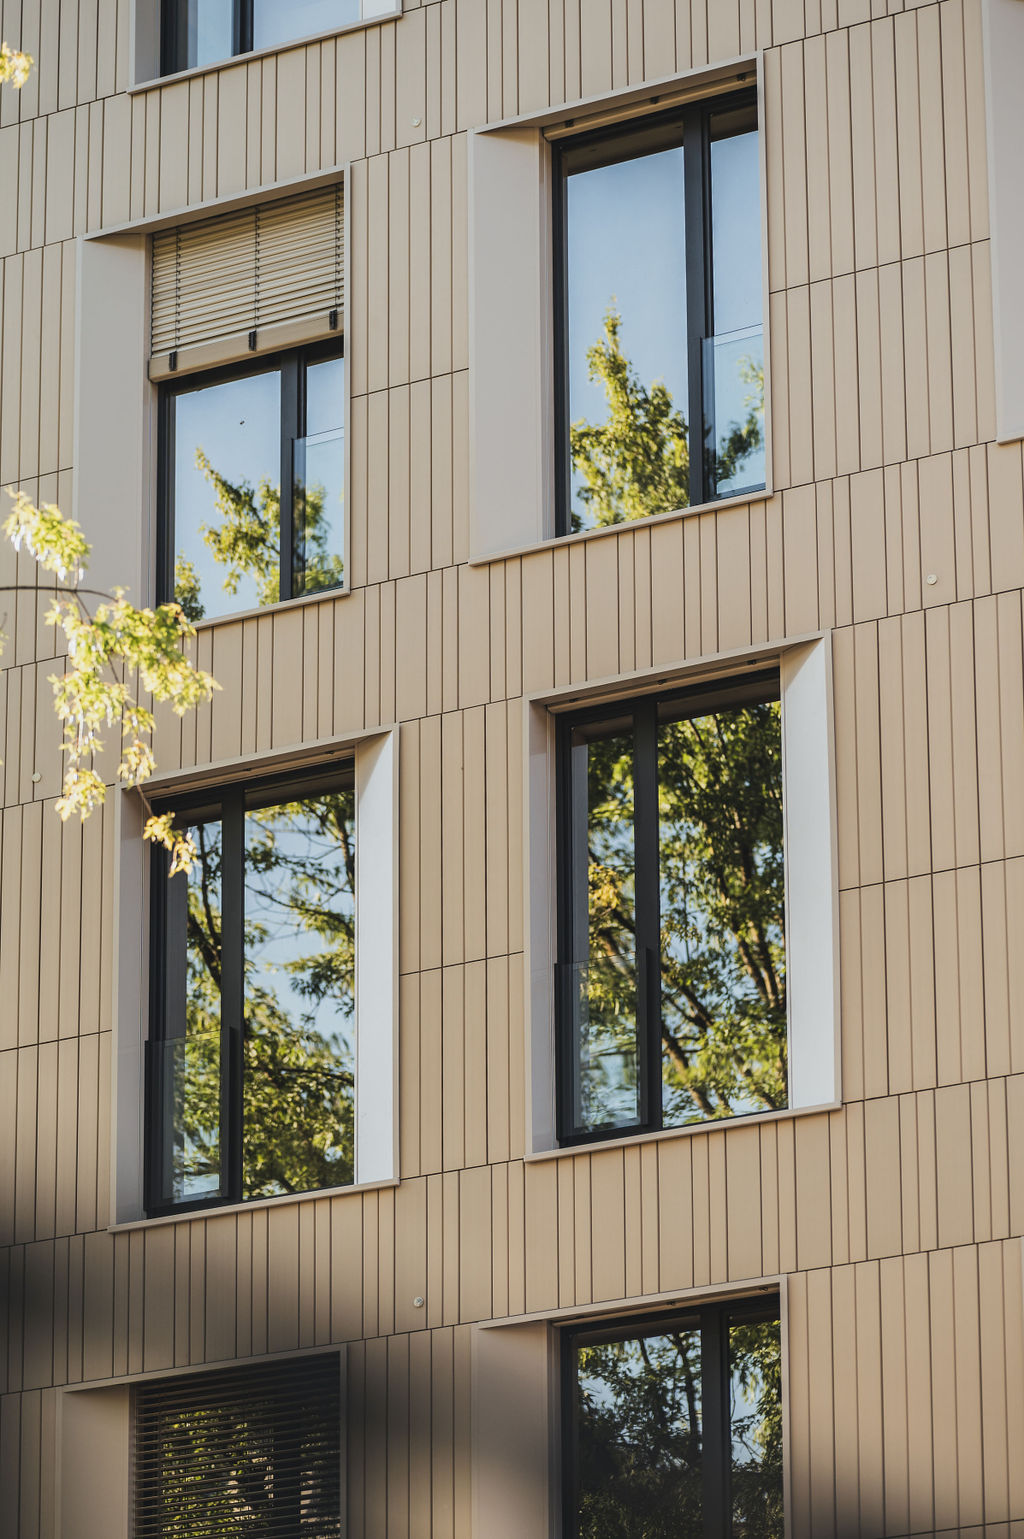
(894, 530)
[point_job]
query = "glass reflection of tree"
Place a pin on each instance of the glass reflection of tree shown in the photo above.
(197, 1142)
(723, 991)
(637, 462)
(639, 1451)
(298, 1060)
(246, 540)
(641, 1441)
(608, 1071)
(755, 1361)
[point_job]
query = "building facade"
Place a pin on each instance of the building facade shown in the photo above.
(601, 957)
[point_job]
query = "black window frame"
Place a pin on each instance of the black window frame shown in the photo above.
(228, 804)
(292, 364)
(753, 686)
(687, 127)
(713, 1321)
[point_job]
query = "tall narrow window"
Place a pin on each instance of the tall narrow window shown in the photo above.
(673, 1426)
(658, 275)
(672, 980)
(252, 1053)
(253, 1450)
(254, 484)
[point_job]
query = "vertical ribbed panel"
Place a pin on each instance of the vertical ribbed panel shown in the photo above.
(228, 275)
(245, 1450)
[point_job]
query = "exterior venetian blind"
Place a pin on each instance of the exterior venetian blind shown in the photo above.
(253, 1451)
(221, 279)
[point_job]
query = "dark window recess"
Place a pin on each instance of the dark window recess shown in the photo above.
(252, 469)
(243, 1451)
(251, 1057)
(673, 1426)
(671, 982)
(658, 314)
(200, 32)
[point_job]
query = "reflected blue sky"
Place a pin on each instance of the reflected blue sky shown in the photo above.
(626, 247)
(305, 853)
(211, 34)
(278, 21)
(237, 424)
(735, 232)
(325, 395)
(736, 296)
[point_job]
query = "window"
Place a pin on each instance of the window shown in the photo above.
(673, 1425)
(253, 481)
(251, 1058)
(201, 32)
(246, 1450)
(660, 358)
(671, 1002)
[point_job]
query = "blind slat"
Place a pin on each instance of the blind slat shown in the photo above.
(240, 1450)
(240, 271)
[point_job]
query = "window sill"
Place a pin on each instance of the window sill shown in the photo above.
(557, 541)
(258, 1205)
(687, 1131)
(199, 70)
(271, 609)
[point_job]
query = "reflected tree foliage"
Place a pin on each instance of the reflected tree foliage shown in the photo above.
(639, 1431)
(723, 990)
(722, 911)
(245, 540)
(755, 1361)
(637, 462)
(299, 948)
(641, 1443)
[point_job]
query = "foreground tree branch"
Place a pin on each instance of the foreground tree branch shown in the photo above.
(117, 640)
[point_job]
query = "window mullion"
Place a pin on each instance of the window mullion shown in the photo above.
(648, 947)
(243, 25)
(560, 312)
(165, 584)
(291, 428)
(716, 1441)
(232, 993)
(697, 318)
(577, 950)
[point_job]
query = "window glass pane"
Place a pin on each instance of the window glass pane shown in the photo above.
(211, 31)
(735, 231)
(734, 355)
(227, 477)
(723, 975)
(319, 471)
(638, 1408)
(603, 977)
(191, 1049)
(275, 21)
(755, 1366)
(627, 358)
(325, 396)
(299, 1054)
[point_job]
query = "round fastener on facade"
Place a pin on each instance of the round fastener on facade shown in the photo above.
(417, 1302)
(931, 579)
